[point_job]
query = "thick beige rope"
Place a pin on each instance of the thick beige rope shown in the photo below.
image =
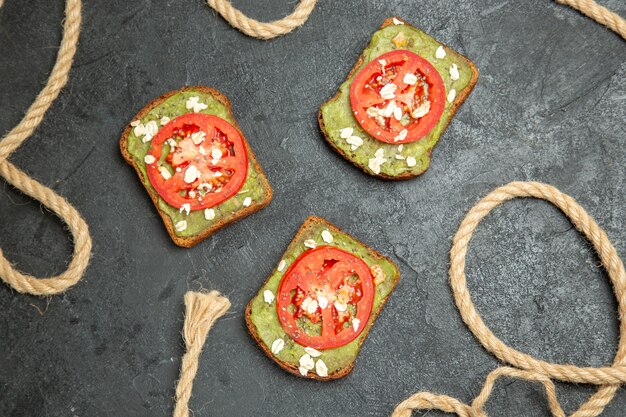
(300, 15)
(202, 310)
(82, 241)
(262, 30)
(598, 13)
(530, 368)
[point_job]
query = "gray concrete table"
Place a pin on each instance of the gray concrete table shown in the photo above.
(550, 105)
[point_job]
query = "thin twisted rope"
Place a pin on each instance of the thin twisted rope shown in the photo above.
(82, 241)
(262, 30)
(202, 310)
(609, 378)
(598, 13)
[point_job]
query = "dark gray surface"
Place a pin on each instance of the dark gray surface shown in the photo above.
(549, 106)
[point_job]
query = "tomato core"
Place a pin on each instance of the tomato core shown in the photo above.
(398, 97)
(197, 161)
(325, 299)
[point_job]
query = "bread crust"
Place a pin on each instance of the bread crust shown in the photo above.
(293, 369)
(190, 241)
(460, 100)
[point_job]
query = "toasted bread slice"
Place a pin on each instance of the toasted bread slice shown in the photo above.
(336, 113)
(262, 318)
(256, 186)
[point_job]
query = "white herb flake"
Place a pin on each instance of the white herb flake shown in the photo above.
(277, 346)
(193, 103)
(268, 296)
(440, 53)
(181, 225)
(209, 214)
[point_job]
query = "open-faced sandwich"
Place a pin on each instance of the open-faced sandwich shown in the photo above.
(195, 163)
(315, 310)
(396, 102)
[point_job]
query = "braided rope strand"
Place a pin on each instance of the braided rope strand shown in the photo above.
(261, 30)
(21, 282)
(598, 13)
(527, 367)
(201, 311)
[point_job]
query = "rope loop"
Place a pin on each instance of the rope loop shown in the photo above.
(598, 13)
(261, 30)
(525, 366)
(32, 119)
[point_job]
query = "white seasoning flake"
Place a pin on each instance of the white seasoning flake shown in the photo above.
(151, 127)
(410, 161)
(313, 352)
(409, 78)
(388, 111)
(277, 346)
(191, 174)
(193, 103)
(138, 128)
(209, 214)
(340, 307)
(185, 208)
(440, 53)
(172, 143)
(346, 132)
(397, 113)
(397, 21)
(216, 154)
(135, 123)
(421, 110)
(401, 135)
(355, 324)
(454, 72)
(327, 236)
(281, 265)
(303, 371)
(388, 91)
(149, 159)
(312, 307)
(322, 301)
(400, 156)
(198, 137)
(164, 120)
(355, 141)
(320, 368)
(383, 63)
(306, 362)
(451, 95)
(310, 243)
(378, 274)
(247, 201)
(378, 159)
(268, 296)
(181, 225)
(400, 147)
(165, 173)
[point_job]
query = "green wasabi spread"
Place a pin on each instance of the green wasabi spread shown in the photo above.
(337, 113)
(175, 106)
(265, 319)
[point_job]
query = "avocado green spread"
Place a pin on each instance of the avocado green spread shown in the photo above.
(174, 106)
(337, 113)
(265, 318)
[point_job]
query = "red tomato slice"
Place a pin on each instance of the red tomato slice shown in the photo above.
(398, 97)
(326, 285)
(207, 165)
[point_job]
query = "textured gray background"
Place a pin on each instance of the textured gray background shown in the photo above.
(549, 106)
